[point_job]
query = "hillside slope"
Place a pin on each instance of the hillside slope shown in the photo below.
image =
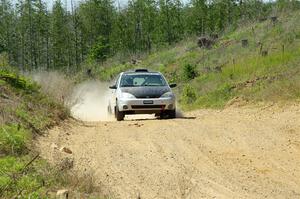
(267, 69)
(24, 114)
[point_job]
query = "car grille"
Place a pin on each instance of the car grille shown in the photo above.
(148, 106)
(147, 96)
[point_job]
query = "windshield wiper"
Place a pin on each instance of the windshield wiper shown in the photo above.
(127, 86)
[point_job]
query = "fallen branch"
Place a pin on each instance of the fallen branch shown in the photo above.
(4, 189)
(30, 162)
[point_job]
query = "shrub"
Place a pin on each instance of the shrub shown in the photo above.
(189, 72)
(18, 82)
(189, 95)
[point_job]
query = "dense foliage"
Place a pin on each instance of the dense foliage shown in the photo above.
(34, 36)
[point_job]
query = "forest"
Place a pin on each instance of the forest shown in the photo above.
(241, 85)
(33, 36)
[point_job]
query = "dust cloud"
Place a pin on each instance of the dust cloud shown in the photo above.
(54, 84)
(89, 101)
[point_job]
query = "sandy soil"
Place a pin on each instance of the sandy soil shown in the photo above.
(250, 152)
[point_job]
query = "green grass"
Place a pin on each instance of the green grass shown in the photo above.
(13, 139)
(33, 181)
(274, 77)
(201, 84)
(18, 82)
(26, 112)
(29, 183)
(110, 73)
(216, 98)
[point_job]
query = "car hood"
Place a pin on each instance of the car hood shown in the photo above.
(146, 91)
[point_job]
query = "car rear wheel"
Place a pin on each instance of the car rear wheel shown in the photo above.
(119, 114)
(109, 110)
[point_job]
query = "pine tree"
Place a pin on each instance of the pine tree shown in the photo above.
(34, 37)
(170, 20)
(198, 17)
(42, 22)
(7, 31)
(96, 20)
(59, 37)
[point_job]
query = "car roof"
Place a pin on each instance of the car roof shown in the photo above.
(142, 73)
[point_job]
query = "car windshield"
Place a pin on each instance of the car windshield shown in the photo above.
(139, 80)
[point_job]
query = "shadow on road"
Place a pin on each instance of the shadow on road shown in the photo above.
(148, 119)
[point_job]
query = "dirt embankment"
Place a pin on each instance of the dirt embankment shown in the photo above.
(250, 152)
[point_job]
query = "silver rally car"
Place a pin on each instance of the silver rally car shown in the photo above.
(142, 92)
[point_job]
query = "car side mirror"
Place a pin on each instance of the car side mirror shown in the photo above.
(173, 85)
(113, 87)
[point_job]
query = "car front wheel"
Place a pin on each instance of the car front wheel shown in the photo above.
(172, 114)
(168, 114)
(119, 114)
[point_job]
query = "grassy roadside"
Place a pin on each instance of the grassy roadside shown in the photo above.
(268, 69)
(25, 113)
(27, 110)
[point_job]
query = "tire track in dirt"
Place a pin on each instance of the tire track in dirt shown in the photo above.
(249, 152)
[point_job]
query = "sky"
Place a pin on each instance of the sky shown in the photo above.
(122, 2)
(67, 3)
(76, 2)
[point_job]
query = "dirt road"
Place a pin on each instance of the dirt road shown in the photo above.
(251, 152)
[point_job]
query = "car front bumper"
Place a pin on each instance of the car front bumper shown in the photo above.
(146, 105)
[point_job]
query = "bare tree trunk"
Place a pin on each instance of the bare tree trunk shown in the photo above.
(47, 50)
(74, 14)
(30, 35)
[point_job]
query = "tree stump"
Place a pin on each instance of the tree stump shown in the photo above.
(62, 194)
(264, 53)
(214, 36)
(218, 69)
(89, 72)
(206, 69)
(262, 19)
(204, 42)
(133, 61)
(274, 20)
(260, 44)
(245, 43)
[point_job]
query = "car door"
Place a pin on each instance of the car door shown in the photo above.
(113, 94)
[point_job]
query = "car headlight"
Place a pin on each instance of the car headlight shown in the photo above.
(127, 96)
(167, 94)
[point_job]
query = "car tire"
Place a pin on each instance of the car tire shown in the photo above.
(162, 115)
(109, 110)
(168, 114)
(119, 114)
(172, 114)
